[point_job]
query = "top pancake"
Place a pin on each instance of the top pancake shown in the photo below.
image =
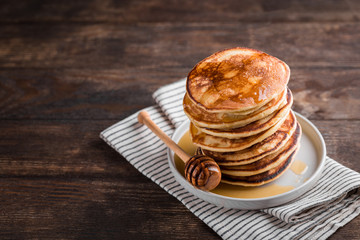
(236, 79)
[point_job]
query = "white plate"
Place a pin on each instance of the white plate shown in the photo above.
(312, 152)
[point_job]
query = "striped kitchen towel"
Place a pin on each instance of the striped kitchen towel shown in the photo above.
(332, 203)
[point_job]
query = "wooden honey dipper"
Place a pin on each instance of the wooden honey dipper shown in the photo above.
(200, 170)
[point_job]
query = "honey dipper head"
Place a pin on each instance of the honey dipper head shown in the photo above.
(203, 172)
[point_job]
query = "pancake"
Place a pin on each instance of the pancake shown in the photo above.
(219, 144)
(236, 79)
(240, 114)
(268, 162)
(262, 178)
(202, 118)
(254, 127)
(268, 146)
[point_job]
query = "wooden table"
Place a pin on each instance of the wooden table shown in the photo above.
(69, 69)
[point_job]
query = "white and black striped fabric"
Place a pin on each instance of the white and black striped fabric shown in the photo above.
(332, 203)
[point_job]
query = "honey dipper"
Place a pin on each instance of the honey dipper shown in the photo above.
(200, 170)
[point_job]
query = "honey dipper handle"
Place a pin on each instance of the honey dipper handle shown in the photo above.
(144, 118)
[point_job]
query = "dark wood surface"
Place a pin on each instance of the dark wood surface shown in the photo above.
(69, 69)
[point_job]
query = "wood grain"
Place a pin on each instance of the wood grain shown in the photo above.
(68, 70)
(167, 46)
(179, 11)
(55, 208)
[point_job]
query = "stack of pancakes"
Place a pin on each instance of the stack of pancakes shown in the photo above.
(239, 106)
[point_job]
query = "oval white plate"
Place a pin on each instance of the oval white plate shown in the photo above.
(312, 152)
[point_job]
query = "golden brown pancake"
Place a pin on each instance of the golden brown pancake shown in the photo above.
(240, 111)
(268, 146)
(224, 120)
(219, 144)
(262, 178)
(236, 79)
(265, 163)
(254, 127)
